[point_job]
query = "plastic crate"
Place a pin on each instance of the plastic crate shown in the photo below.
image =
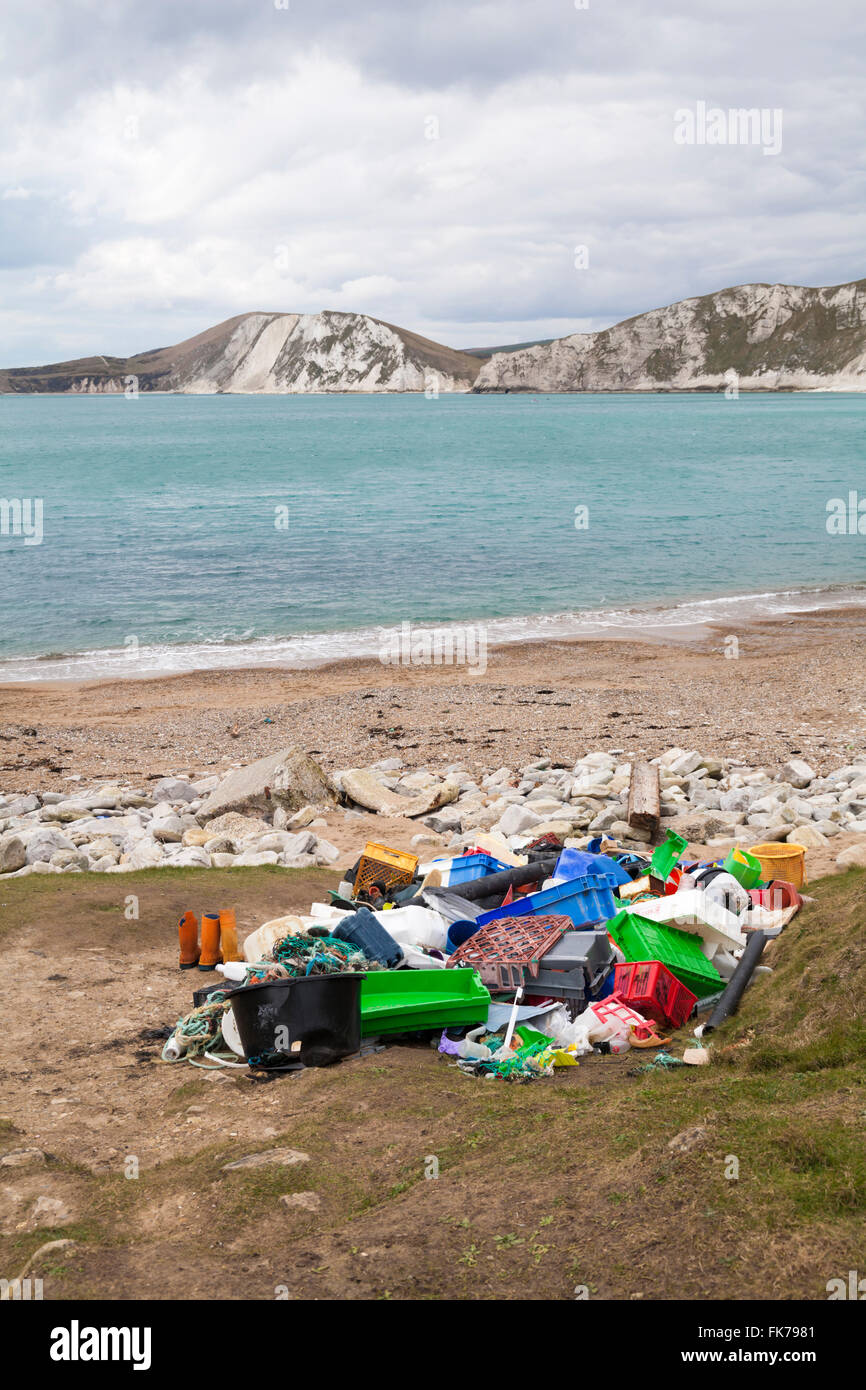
(651, 989)
(467, 867)
(584, 900)
(584, 953)
(379, 864)
(508, 949)
(639, 939)
(403, 1001)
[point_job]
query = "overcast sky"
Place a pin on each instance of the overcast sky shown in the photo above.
(164, 165)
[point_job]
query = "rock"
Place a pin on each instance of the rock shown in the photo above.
(168, 830)
(685, 763)
(700, 827)
(854, 857)
(196, 837)
(809, 836)
(174, 789)
(45, 843)
(432, 840)
(325, 852)
(13, 854)
(300, 819)
(65, 812)
(606, 818)
(687, 1139)
(828, 827)
(146, 855)
(251, 859)
(219, 844)
(236, 828)
(99, 849)
(70, 859)
(500, 778)
(133, 799)
(222, 861)
(621, 830)
(285, 1157)
(299, 861)
(365, 789)
(21, 806)
(552, 827)
(797, 772)
(193, 857)
(774, 834)
(740, 799)
(23, 1158)
(304, 842)
(307, 1201)
(445, 823)
(48, 1211)
(515, 820)
(290, 779)
(546, 806)
(117, 827)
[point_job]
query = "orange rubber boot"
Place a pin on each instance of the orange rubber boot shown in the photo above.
(187, 930)
(211, 956)
(229, 935)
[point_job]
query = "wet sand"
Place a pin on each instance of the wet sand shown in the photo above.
(795, 688)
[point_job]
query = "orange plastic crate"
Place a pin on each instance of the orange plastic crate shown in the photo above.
(379, 864)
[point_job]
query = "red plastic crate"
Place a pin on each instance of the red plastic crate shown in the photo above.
(651, 989)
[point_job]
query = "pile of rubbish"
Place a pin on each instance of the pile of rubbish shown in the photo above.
(513, 965)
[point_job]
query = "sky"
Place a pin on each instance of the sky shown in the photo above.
(479, 171)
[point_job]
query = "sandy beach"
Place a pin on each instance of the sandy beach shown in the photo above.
(794, 688)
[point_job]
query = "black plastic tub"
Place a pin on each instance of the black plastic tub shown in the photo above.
(314, 1020)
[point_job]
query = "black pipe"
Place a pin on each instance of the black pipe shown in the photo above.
(493, 885)
(730, 1000)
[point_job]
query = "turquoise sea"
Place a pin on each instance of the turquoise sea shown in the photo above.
(236, 530)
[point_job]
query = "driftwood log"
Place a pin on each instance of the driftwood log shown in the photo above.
(643, 798)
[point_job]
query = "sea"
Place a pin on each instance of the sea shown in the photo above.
(158, 534)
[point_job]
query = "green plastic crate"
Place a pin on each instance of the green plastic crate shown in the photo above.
(401, 1001)
(640, 939)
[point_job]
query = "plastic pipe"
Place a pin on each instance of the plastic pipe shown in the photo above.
(730, 1000)
(493, 885)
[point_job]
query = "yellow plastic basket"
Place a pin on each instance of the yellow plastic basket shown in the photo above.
(783, 861)
(379, 864)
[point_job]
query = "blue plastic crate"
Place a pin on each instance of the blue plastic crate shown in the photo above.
(469, 866)
(584, 900)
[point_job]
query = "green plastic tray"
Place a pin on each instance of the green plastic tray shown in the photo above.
(640, 939)
(401, 1001)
